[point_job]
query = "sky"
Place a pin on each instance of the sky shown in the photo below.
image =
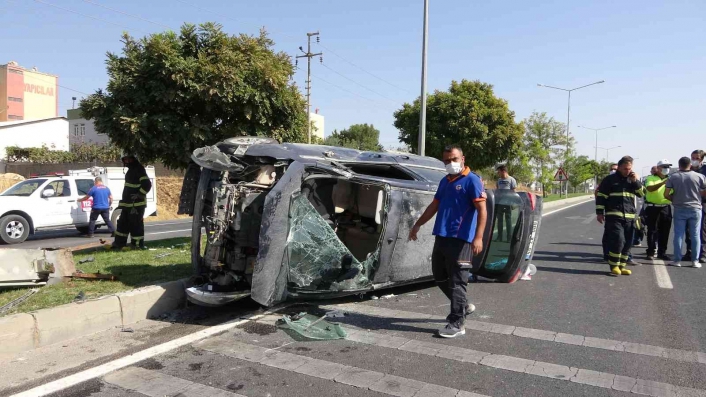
(651, 54)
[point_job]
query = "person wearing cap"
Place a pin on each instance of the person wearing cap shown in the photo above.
(658, 211)
(686, 189)
(132, 205)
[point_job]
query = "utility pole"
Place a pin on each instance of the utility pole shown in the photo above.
(423, 104)
(308, 55)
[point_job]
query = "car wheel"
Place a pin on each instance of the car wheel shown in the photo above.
(82, 229)
(14, 229)
(115, 216)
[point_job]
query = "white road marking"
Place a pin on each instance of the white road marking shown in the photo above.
(663, 280)
(170, 231)
(589, 219)
(353, 376)
(95, 372)
(156, 384)
(567, 207)
(552, 336)
(397, 386)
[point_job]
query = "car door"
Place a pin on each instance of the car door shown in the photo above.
(60, 207)
(82, 212)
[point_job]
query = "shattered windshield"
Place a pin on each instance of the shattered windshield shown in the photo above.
(318, 260)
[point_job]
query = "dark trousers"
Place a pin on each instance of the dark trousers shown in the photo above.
(504, 214)
(659, 224)
(618, 236)
(450, 265)
(703, 237)
(105, 214)
(130, 223)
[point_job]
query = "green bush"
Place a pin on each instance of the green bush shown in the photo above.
(80, 153)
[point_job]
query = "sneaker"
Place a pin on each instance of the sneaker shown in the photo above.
(451, 331)
(87, 236)
(696, 264)
(664, 257)
(651, 255)
(675, 264)
(702, 259)
(637, 244)
(632, 262)
(686, 258)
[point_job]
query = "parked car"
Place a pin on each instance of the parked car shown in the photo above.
(50, 202)
(308, 221)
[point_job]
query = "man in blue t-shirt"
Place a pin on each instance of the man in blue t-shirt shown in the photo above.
(102, 200)
(459, 205)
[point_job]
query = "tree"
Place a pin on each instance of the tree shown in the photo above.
(468, 114)
(170, 93)
(545, 145)
(582, 169)
(357, 136)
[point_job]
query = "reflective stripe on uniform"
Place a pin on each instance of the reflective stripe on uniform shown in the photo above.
(620, 214)
(600, 207)
(138, 238)
(138, 204)
(615, 263)
(117, 233)
(133, 185)
(602, 195)
(615, 255)
(144, 178)
(622, 194)
(142, 191)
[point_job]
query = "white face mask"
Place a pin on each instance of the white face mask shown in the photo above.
(613, 172)
(665, 171)
(453, 168)
(695, 163)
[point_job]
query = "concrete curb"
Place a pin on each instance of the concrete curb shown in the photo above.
(560, 203)
(27, 331)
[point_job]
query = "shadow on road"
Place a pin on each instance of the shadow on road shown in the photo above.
(568, 257)
(581, 244)
(571, 271)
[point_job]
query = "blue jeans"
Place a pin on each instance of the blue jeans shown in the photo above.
(686, 218)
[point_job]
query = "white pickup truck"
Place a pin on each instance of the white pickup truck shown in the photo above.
(51, 201)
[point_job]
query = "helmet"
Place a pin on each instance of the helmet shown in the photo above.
(126, 155)
(663, 163)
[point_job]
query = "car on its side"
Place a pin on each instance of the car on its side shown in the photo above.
(309, 221)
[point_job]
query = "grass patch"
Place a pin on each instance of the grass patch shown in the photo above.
(133, 268)
(555, 197)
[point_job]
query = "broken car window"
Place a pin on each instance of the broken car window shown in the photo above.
(318, 260)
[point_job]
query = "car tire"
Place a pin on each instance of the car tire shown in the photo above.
(14, 229)
(114, 217)
(82, 229)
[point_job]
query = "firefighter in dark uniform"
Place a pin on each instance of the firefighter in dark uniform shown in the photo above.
(132, 205)
(615, 206)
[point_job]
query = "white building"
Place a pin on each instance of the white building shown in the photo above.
(49, 132)
(82, 130)
(318, 123)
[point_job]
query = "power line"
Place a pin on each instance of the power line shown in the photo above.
(372, 101)
(127, 14)
(359, 67)
(355, 82)
(84, 15)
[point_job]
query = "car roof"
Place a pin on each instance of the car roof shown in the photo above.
(311, 153)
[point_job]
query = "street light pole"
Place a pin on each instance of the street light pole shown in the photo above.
(568, 118)
(423, 102)
(595, 154)
(607, 150)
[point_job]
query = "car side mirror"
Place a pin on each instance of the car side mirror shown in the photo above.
(48, 192)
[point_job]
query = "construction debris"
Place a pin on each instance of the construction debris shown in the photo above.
(307, 327)
(88, 259)
(12, 304)
(163, 255)
(95, 276)
(34, 267)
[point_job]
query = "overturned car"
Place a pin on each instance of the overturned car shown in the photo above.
(283, 221)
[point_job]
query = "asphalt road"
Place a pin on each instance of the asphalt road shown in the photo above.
(570, 331)
(70, 237)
